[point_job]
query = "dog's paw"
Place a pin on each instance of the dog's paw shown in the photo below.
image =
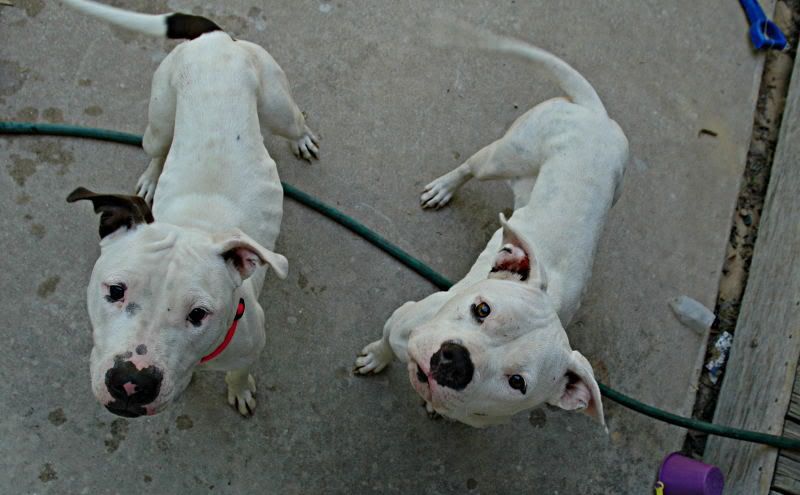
(307, 147)
(431, 412)
(146, 185)
(373, 358)
(146, 188)
(438, 193)
(242, 393)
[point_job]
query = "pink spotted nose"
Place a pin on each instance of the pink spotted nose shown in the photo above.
(130, 388)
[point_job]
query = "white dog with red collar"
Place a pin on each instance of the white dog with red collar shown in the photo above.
(494, 344)
(165, 291)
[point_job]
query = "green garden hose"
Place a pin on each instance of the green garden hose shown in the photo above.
(422, 269)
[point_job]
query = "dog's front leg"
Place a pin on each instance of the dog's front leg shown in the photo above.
(374, 356)
(241, 391)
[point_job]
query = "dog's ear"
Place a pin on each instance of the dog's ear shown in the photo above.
(244, 255)
(580, 391)
(116, 210)
(516, 260)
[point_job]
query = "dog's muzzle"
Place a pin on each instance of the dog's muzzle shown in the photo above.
(132, 388)
(451, 366)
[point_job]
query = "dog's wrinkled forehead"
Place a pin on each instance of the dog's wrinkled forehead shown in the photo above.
(504, 308)
(159, 255)
(149, 244)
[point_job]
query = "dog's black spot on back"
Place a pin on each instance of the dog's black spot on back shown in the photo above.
(189, 27)
(141, 349)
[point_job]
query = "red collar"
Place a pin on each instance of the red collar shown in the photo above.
(228, 336)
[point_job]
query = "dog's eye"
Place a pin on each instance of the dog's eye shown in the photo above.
(517, 383)
(115, 293)
(481, 310)
(196, 316)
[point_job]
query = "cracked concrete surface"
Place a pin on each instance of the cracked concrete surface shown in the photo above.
(393, 113)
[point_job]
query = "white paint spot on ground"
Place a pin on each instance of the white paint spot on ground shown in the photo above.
(325, 8)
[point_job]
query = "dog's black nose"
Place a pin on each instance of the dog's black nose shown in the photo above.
(130, 386)
(451, 366)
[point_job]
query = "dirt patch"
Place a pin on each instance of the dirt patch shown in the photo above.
(746, 218)
(302, 281)
(54, 115)
(28, 114)
(12, 77)
(48, 152)
(38, 230)
(119, 430)
(31, 7)
(57, 417)
(48, 286)
(47, 473)
(20, 169)
(537, 418)
(184, 422)
(93, 110)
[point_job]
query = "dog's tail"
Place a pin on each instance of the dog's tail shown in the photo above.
(175, 26)
(450, 32)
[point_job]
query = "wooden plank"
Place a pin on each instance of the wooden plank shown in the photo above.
(761, 371)
(787, 476)
(794, 405)
(791, 430)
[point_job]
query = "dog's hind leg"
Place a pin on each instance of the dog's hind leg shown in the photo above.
(276, 107)
(439, 192)
(503, 159)
(160, 128)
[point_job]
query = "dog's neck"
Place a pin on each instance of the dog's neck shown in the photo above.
(562, 220)
(259, 215)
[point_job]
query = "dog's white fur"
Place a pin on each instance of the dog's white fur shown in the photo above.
(564, 160)
(215, 181)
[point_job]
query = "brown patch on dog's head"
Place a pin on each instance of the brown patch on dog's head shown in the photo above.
(116, 210)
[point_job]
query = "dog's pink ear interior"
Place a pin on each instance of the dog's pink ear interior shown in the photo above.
(245, 255)
(581, 392)
(516, 260)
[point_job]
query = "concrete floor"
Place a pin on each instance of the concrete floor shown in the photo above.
(393, 114)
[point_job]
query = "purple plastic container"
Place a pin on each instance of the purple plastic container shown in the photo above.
(684, 476)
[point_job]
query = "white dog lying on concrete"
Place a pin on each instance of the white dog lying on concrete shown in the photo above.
(168, 297)
(494, 344)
